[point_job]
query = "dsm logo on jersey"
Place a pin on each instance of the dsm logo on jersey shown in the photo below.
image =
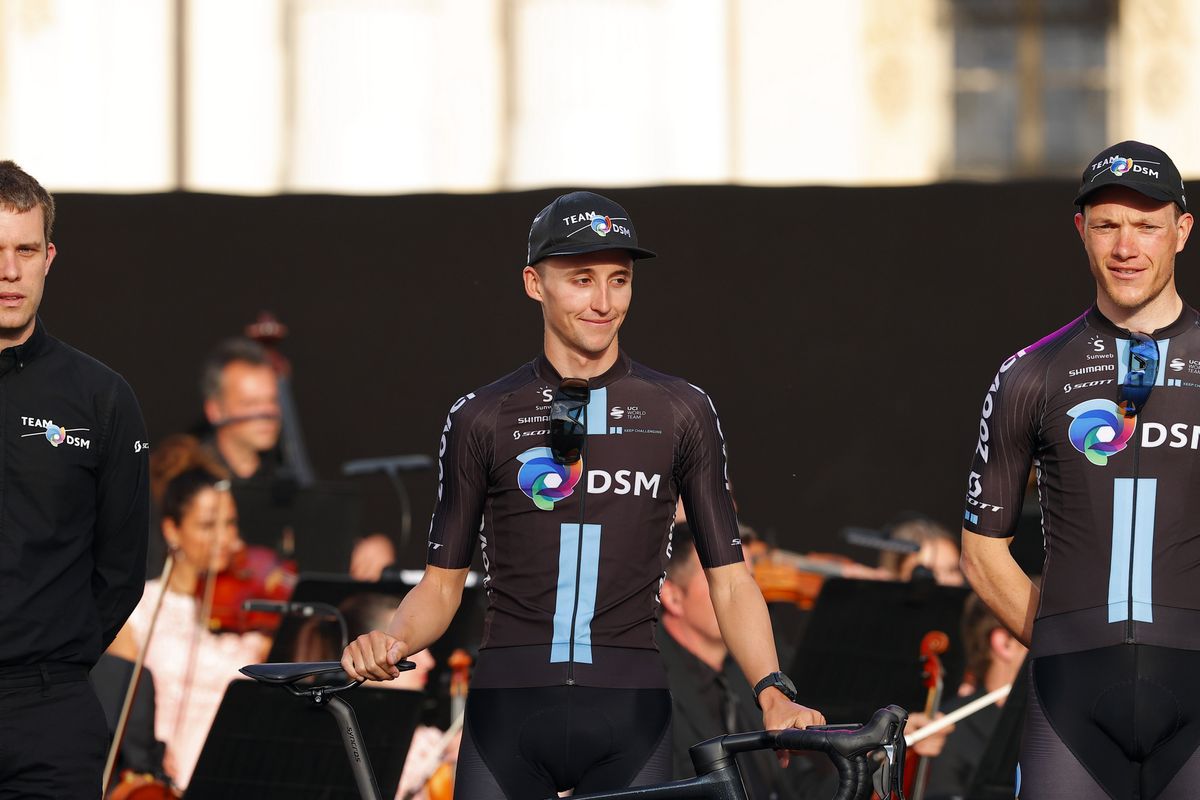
(546, 482)
(1099, 429)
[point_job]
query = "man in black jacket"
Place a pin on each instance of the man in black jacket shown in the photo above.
(74, 514)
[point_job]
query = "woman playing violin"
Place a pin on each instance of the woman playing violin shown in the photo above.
(190, 663)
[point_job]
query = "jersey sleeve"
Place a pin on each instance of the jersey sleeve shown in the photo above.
(462, 486)
(704, 483)
(1004, 450)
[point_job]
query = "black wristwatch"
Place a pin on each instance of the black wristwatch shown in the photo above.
(780, 681)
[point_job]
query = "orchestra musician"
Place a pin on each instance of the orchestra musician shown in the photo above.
(192, 664)
(241, 402)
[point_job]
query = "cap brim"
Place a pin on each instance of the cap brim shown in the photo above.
(1152, 191)
(574, 250)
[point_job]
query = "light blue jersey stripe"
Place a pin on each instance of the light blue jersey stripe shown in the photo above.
(1136, 535)
(597, 412)
(568, 557)
(1143, 549)
(589, 570)
(586, 581)
(1118, 571)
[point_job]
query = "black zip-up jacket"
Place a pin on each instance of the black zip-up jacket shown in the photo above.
(74, 503)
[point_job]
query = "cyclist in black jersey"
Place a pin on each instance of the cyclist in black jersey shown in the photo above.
(566, 473)
(1108, 410)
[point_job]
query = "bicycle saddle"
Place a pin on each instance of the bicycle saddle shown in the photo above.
(287, 673)
(284, 673)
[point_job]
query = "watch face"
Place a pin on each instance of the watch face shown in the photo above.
(786, 683)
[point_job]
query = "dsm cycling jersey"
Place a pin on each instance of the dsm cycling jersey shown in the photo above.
(574, 554)
(1120, 510)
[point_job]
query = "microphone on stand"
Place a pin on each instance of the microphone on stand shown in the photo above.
(392, 466)
(875, 540)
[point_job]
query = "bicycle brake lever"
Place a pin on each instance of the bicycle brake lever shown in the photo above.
(897, 752)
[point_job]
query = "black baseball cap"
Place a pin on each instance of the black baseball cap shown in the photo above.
(582, 222)
(1139, 166)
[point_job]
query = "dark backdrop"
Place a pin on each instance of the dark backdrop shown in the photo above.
(846, 335)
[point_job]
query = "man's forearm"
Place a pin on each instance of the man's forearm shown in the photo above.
(744, 621)
(427, 610)
(1000, 583)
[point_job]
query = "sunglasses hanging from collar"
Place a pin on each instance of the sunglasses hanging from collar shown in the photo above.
(1141, 374)
(568, 420)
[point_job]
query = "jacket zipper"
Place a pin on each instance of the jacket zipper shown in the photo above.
(1137, 451)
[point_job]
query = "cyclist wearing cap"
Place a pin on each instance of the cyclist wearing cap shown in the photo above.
(566, 472)
(1108, 410)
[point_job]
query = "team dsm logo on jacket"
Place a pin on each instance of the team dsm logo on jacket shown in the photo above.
(545, 481)
(55, 434)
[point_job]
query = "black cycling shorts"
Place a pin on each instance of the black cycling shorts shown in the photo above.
(524, 744)
(1122, 721)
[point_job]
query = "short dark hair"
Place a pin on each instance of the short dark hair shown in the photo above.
(183, 488)
(682, 547)
(238, 348)
(20, 192)
(978, 622)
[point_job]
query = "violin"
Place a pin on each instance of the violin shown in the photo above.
(254, 573)
(786, 577)
(933, 645)
(440, 784)
(142, 786)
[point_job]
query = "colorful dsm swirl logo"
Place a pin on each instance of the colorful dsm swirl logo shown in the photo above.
(55, 435)
(601, 225)
(1099, 429)
(545, 481)
(1121, 165)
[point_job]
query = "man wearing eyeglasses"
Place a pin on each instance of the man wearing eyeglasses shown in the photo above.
(567, 472)
(1108, 410)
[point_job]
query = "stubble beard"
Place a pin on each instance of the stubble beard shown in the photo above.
(1135, 303)
(14, 322)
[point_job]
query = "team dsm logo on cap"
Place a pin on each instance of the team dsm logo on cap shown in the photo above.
(1121, 165)
(600, 224)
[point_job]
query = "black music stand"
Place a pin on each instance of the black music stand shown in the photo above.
(317, 524)
(861, 647)
(268, 745)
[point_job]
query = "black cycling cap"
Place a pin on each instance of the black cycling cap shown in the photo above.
(582, 222)
(1139, 166)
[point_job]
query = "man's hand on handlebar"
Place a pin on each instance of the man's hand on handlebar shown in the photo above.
(373, 657)
(779, 713)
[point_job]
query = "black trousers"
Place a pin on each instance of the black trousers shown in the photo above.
(53, 735)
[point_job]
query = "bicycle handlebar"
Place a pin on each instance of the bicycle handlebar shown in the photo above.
(848, 748)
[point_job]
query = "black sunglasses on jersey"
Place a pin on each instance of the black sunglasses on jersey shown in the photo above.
(568, 420)
(1141, 374)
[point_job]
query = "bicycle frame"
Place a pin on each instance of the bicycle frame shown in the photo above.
(717, 774)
